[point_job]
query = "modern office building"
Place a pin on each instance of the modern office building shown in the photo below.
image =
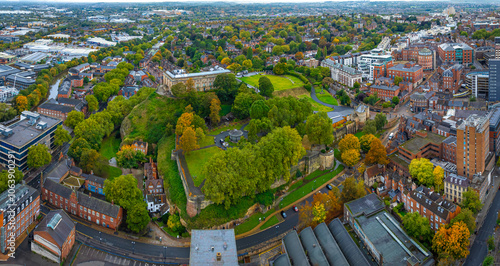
(375, 64)
(478, 82)
(456, 52)
(494, 81)
(31, 129)
(22, 210)
(472, 145)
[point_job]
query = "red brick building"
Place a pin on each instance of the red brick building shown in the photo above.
(86, 207)
(139, 145)
(409, 72)
(449, 153)
(456, 52)
(54, 110)
(54, 237)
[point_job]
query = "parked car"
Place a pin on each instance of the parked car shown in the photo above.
(283, 213)
(295, 209)
(329, 187)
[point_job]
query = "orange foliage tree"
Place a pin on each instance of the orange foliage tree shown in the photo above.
(323, 208)
(377, 153)
(188, 140)
(453, 240)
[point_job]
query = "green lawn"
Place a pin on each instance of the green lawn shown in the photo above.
(196, 159)
(315, 174)
(251, 222)
(219, 130)
(225, 109)
(316, 106)
(208, 140)
(279, 82)
(108, 172)
(309, 187)
(327, 98)
(296, 185)
(274, 220)
(111, 145)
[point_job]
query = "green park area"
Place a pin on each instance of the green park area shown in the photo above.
(315, 106)
(279, 82)
(196, 160)
(111, 145)
(251, 222)
(327, 98)
(272, 221)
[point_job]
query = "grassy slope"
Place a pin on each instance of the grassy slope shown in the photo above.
(197, 159)
(111, 145)
(279, 82)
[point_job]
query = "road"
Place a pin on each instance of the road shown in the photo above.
(479, 248)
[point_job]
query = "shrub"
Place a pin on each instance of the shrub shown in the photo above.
(323, 151)
(307, 86)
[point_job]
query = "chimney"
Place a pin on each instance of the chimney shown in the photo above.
(91, 172)
(413, 186)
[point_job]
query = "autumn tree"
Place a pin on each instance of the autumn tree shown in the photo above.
(299, 55)
(61, 136)
(319, 129)
(309, 213)
(453, 240)
(183, 122)
(88, 160)
(471, 201)
(422, 170)
(38, 156)
(438, 177)
(350, 157)
(349, 142)
(127, 157)
(214, 111)
(366, 142)
(188, 140)
(22, 103)
(352, 190)
(319, 213)
(361, 169)
(466, 216)
(92, 103)
(377, 153)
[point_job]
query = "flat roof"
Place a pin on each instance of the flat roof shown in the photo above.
(189, 75)
(24, 133)
(414, 144)
(222, 241)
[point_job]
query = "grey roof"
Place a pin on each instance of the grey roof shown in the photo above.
(330, 247)
(294, 249)
(457, 180)
(98, 205)
(21, 194)
(349, 70)
(189, 75)
(418, 96)
(57, 188)
(34, 57)
(60, 170)
(7, 70)
(202, 242)
(62, 229)
(312, 247)
(350, 250)
(57, 107)
(367, 205)
(94, 178)
(385, 87)
(450, 140)
(24, 133)
(401, 67)
(26, 77)
(282, 260)
(495, 118)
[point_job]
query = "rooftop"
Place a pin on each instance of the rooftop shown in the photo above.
(58, 225)
(415, 144)
(23, 132)
(207, 244)
(401, 67)
(190, 75)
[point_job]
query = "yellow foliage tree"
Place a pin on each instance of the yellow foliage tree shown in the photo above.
(226, 61)
(453, 240)
(183, 122)
(319, 213)
(438, 177)
(188, 140)
(22, 103)
(214, 111)
(350, 157)
(349, 142)
(377, 153)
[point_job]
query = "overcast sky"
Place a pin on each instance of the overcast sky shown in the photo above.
(238, 1)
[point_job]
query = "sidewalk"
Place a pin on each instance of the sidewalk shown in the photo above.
(256, 229)
(487, 203)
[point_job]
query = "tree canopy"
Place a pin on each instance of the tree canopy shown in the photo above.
(319, 128)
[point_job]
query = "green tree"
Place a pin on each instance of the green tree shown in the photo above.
(226, 87)
(74, 118)
(356, 85)
(242, 104)
(366, 141)
(418, 227)
(92, 103)
(395, 100)
(266, 88)
(370, 127)
(488, 261)
(10, 179)
(38, 156)
(174, 223)
(179, 90)
(259, 109)
(422, 170)
(127, 157)
(319, 128)
(471, 201)
(466, 216)
(280, 69)
(380, 121)
(76, 148)
(397, 79)
(138, 217)
(88, 160)
(61, 136)
(123, 190)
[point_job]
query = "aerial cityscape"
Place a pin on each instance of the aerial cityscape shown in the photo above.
(250, 133)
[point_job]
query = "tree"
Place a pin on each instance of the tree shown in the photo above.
(74, 118)
(226, 86)
(453, 240)
(242, 104)
(280, 68)
(466, 216)
(188, 141)
(397, 79)
(214, 111)
(366, 142)
(395, 100)
(184, 122)
(319, 128)
(247, 63)
(299, 55)
(127, 157)
(380, 121)
(61, 136)
(174, 223)
(438, 177)
(123, 190)
(349, 142)
(319, 212)
(179, 89)
(77, 148)
(88, 160)
(259, 109)
(310, 215)
(9, 178)
(356, 85)
(350, 157)
(471, 201)
(488, 261)
(370, 127)
(266, 88)
(22, 103)
(418, 227)
(92, 103)
(38, 156)
(377, 153)
(352, 190)
(422, 170)
(138, 217)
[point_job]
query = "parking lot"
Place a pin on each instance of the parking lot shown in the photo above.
(88, 256)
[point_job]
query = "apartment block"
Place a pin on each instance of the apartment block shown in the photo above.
(472, 145)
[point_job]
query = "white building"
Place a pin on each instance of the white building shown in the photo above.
(100, 42)
(343, 74)
(367, 62)
(154, 202)
(7, 92)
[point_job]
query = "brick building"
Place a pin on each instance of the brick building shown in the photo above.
(449, 153)
(423, 145)
(94, 183)
(456, 52)
(472, 145)
(54, 110)
(86, 207)
(22, 212)
(454, 187)
(140, 145)
(385, 89)
(425, 58)
(54, 236)
(409, 72)
(431, 205)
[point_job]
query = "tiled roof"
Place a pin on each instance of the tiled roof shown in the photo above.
(98, 205)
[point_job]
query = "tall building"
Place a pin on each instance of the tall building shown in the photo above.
(472, 145)
(456, 52)
(375, 64)
(342, 73)
(494, 64)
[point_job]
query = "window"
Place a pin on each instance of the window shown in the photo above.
(111, 219)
